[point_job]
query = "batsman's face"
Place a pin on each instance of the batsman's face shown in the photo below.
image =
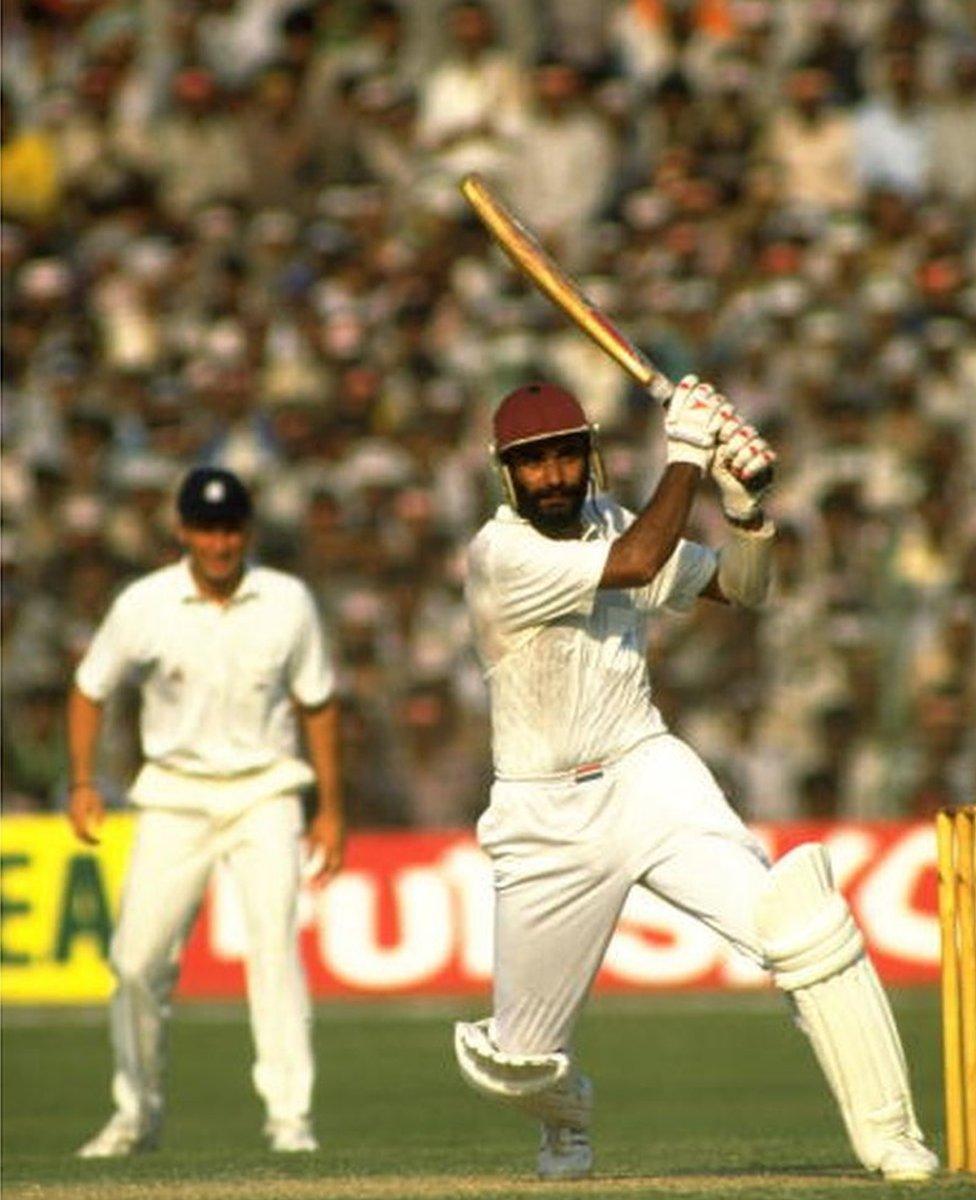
(551, 479)
(216, 554)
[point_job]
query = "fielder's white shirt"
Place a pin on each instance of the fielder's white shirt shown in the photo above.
(566, 661)
(217, 682)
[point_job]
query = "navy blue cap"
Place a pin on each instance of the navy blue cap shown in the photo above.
(213, 496)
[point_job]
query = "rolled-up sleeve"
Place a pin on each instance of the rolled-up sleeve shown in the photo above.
(110, 656)
(312, 675)
(680, 581)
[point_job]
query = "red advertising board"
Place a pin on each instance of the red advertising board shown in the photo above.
(412, 915)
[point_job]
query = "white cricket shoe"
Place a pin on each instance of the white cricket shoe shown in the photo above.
(120, 1136)
(906, 1159)
(564, 1153)
(291, 1137)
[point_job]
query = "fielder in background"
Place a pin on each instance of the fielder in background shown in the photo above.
(224, 654)
(592, 794)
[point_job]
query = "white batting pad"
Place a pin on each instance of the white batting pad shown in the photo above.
(508, 1076)
(804, 925)
(545, 1086)
(816, 953)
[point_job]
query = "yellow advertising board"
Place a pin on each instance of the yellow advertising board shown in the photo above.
(58, 900)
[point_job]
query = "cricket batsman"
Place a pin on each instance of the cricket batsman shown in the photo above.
(593, 794)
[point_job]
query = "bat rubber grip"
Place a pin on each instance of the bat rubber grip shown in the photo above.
(660, 388)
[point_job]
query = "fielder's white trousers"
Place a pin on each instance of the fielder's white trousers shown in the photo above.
(172, 858)
(566, 853)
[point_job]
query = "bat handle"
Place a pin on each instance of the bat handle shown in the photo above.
(659, 387)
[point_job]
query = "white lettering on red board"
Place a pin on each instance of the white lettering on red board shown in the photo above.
(347, 924)
(429, 923)
(894, 925)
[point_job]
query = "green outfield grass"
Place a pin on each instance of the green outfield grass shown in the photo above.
(696, 1097)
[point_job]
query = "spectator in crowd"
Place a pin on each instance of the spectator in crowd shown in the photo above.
(893, 135)
(671, 122)
(96, 139)
(943, 762)
(40, 55)
(470, 104)
(279, 140)
(812, 144)
(241, 440)
(730, 128)
(654, 38)
(237, 38)
(562, 160)
(833, 45)
(378, 50)
(953, 121)
(375, 789)
(386, 139)
(34, 748)
(197, 152)
(443, 766)
(260, 259)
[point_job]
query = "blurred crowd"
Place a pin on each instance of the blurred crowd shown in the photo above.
(231, 234)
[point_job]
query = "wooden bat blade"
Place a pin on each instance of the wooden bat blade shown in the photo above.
(523, 248)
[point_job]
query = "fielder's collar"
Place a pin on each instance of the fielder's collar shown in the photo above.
(189, 593)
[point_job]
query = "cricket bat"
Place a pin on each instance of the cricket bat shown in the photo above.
(523, 248)
(525, 251)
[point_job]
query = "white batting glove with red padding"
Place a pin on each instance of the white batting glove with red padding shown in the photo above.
(737, 461)
(731, 422)
(692, 421)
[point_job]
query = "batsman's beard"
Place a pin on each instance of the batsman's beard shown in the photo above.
(555, 512)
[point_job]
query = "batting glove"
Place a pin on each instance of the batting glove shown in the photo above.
(736, 462)
(692, 421)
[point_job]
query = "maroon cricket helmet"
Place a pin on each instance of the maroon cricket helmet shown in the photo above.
(535, 412)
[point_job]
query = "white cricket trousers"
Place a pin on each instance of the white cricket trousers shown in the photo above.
(173, 855)
(566, 853)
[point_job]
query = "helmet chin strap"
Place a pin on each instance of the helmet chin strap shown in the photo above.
(598, 471)
(508, 486)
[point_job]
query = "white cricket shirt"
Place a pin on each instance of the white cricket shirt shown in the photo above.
(217, 682)
(566, 661)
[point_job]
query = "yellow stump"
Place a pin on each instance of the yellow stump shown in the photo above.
(966, 913)
(956, 835)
